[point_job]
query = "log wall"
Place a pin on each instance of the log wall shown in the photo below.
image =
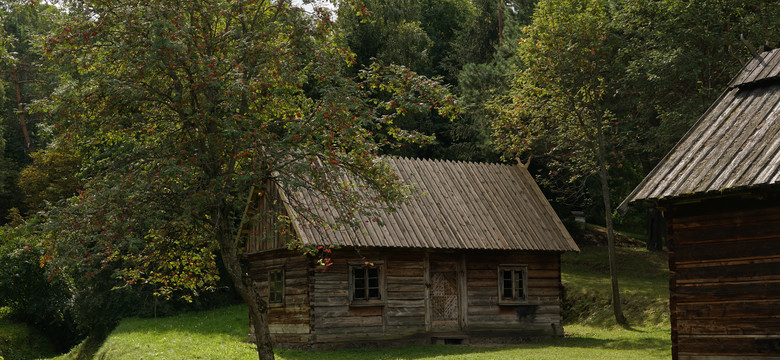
(317, 312)
(401, 314)
(289, 322)
(724, 263)
(540, 315)
(405, 313)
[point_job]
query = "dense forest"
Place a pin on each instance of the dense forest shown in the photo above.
(131, 132)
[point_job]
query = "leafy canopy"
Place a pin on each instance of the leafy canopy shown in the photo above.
(563, 91)
(180, 107)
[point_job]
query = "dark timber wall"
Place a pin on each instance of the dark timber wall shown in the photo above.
(317, 308)
(541, 315)
(725, 279)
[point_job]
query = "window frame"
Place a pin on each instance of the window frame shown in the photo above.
(379, 265)
(522, 269)
(283, 287)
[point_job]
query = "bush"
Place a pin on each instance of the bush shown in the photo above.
(69, 305)
(32, 296)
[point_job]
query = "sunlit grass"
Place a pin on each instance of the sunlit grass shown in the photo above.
(215, 334)
(220, 334)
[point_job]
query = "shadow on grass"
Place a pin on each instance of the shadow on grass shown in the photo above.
(87, 349)
(634, 343)
(429, 351)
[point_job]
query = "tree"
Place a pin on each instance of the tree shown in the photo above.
(679, 56)
(476, 40)
(51, 177)
(418, 35)
(27, 79)
(390, 31)
(488, 60)
(559, 105)
(6, 166)
(179, 108)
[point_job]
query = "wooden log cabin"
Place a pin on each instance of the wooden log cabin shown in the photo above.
(473, 257)
(719, 190)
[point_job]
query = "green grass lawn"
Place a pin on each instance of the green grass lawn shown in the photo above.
(581, 342)
(590, 333)
(220, 334)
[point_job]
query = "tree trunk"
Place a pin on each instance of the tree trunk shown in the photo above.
(20, 110)
(258, 308)
(617, 307)
(500, 21)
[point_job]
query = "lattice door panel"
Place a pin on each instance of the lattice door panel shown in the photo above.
(444, 296)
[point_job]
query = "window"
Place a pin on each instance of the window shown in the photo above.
(366, 284)
(512, 284)
(276, 286)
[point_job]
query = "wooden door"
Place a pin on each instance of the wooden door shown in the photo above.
(444, 304)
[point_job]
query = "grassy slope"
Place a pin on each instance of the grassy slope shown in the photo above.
(214, 334)
(19, 341)
(219, 334)
(643, 280)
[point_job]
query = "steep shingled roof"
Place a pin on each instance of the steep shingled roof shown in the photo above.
(459, 205)
(734, 145)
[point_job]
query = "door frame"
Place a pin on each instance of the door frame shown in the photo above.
(461, 291)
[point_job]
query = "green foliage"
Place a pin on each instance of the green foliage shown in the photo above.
(679, 57)
(646, 69)
(24, 78)
(51, 176)
(561, 106)
(416, 34)
(422, 35)
(29, 293)
(486, 29)
(480, 82)
(454, 39)
(559, 98)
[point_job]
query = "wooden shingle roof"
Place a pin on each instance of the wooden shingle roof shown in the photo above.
(459, 205)
(734, 145)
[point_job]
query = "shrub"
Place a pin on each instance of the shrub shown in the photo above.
(70, 304)
(31, 295)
